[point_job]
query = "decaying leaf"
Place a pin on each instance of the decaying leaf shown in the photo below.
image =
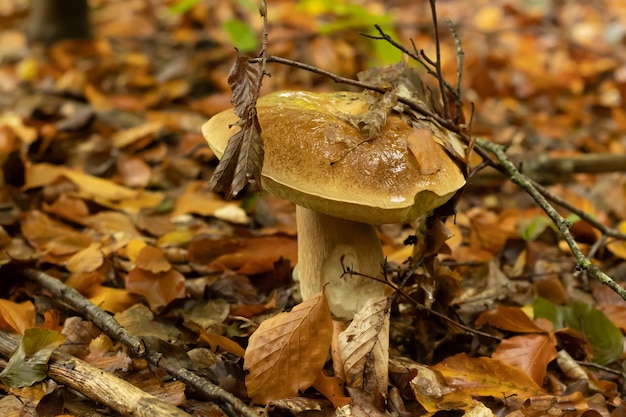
(243, 156)
(287, 352)
(364, 347)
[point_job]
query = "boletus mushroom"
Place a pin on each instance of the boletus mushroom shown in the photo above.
(342, 185)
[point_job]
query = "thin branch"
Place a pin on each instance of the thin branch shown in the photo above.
(460, 59)
(582, 262)
(230, 404)
(100, 386)
(398, 291)
(440, 77)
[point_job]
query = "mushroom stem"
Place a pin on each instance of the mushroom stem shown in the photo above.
(322, 242)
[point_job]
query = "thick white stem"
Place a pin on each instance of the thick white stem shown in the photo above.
(322, 242)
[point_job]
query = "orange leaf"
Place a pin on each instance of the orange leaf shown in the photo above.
(113, 300)
(531, 353)
(486, 377)
(258, 256)
(427, 152)
(221, 342)
(153, 260)
(86, 260)
(331, 387)
(287, 352)
(17, 317)
(511, 319)
(159, 289)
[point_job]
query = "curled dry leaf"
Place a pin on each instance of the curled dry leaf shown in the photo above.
(243, 156)
(364, 347)
(288, 351)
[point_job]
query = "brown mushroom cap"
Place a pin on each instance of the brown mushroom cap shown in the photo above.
(375, 182)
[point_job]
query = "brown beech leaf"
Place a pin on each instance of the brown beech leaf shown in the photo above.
(486, 377)
(427, 152)
(287, 352)
(243, 156)
(244, 79)
(364, 347)
(530, 352)
(511, 319)
(152, 259)
(158, 288)
(242, 159)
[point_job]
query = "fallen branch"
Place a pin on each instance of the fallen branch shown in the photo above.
(98, 385)
(230, 404)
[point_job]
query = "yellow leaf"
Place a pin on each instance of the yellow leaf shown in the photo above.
(287, 352)
(133, 248)
(86, 260)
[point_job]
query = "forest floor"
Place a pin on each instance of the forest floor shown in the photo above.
(105, 191)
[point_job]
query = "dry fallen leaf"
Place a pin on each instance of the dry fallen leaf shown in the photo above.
(364, 347)
(16, 317)
(287, 352)
(158, 288)
(486, 377)
(427, 152)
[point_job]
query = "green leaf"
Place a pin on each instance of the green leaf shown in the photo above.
(546, 309)
(535, 227)
(244, 38)
(29, 362)
(183, 6)
(605, 338)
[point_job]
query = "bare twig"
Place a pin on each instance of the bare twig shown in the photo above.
(460, 59)
(398, 291)
(100, 386)
(440, 77)
(582, 262)
(232, 405)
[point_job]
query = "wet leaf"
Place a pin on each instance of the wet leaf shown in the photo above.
(287, 352)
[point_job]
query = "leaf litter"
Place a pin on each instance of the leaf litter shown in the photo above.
(103, 161)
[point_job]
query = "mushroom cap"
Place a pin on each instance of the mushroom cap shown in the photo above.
(318, 160)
